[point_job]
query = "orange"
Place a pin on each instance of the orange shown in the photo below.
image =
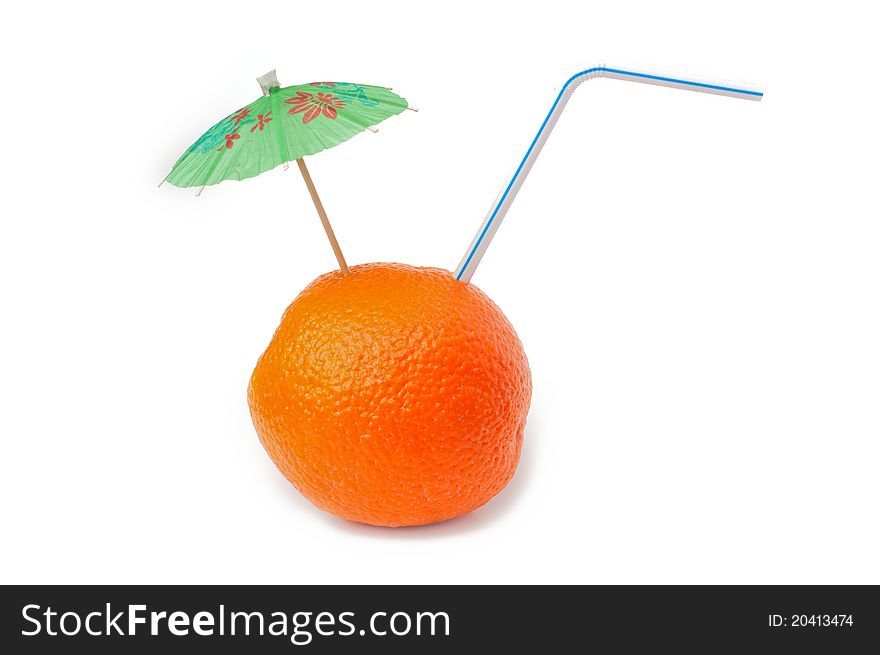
(393, 395)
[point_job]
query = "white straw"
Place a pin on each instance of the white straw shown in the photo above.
(493, 219)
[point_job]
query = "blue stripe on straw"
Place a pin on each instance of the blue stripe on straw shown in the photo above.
(702, 85)
(550, 113)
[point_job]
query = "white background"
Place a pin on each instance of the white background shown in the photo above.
(694, 278)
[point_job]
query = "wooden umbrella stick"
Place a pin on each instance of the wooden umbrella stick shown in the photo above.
(324, 220)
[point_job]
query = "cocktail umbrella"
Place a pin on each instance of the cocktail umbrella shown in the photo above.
(286, 124)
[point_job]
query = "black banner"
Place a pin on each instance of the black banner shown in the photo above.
(116, 619)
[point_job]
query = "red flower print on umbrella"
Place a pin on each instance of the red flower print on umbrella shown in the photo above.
(262, 119)
(311, 106)
(230, 139)
(240, 115)
(322, 83)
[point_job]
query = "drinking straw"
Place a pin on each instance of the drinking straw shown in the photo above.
(493, 219)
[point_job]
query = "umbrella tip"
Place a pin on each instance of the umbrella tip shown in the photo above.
(268, 82)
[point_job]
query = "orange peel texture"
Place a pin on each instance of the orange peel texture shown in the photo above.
(393, 396)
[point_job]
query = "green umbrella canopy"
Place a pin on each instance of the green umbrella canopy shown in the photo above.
(284, 125)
